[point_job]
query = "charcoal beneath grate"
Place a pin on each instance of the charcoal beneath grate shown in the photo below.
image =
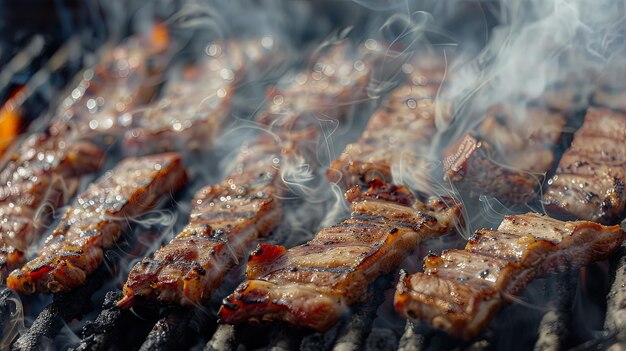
(381, 339)
(64, 308)
(615, 322)
(554, 327)
(11, 317)
(179, 329)
(110, 330)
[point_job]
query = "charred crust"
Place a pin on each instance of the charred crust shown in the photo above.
(382, 191)
(229, 305)
(250, 299)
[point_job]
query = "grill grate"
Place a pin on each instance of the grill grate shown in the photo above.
(180, 328)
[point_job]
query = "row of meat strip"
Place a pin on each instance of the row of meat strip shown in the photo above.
(313, 284)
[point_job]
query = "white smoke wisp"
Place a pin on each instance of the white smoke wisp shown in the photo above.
(11, 317)
(538, 46)
(547, 54)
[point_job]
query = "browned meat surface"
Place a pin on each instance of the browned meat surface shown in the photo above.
(225, 220)
(101, 103)
(228, 217)
(335, 85)
(96, 220)
(590, 178)
(506, 157)
(313, 284)
(399, 134)
(38, 177)
(461, 290)
(194, 107)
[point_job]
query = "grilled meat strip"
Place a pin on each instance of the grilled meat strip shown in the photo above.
(336, 84)
(38, 177)
(127, 77)
(461, 290)
(225, 220)
(400, 133)
(193, 109)
(505, 158)
(96, 220)
(590, 178)
(312, 285)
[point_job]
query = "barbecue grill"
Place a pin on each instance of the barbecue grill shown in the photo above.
(490, 50)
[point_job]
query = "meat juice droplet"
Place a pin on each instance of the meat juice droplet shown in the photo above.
(411, 103)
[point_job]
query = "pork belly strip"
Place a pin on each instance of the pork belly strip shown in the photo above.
(461, 290)
(590, 178)
(127, 76)
(402, 129)
(313, 284)
(505, 157)
(194, 107)
(228, 217)
(40, 175)
(95, 221)
(225, 220)
(333, 87)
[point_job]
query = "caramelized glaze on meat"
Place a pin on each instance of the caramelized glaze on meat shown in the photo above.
(95, 221)
(101, 103)
(225, 220)
(228, 217)
(193, 108)
(400, 133)
(591, 176)
(312, 285)
(335, 85)
(461, 290)
(39, 176)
